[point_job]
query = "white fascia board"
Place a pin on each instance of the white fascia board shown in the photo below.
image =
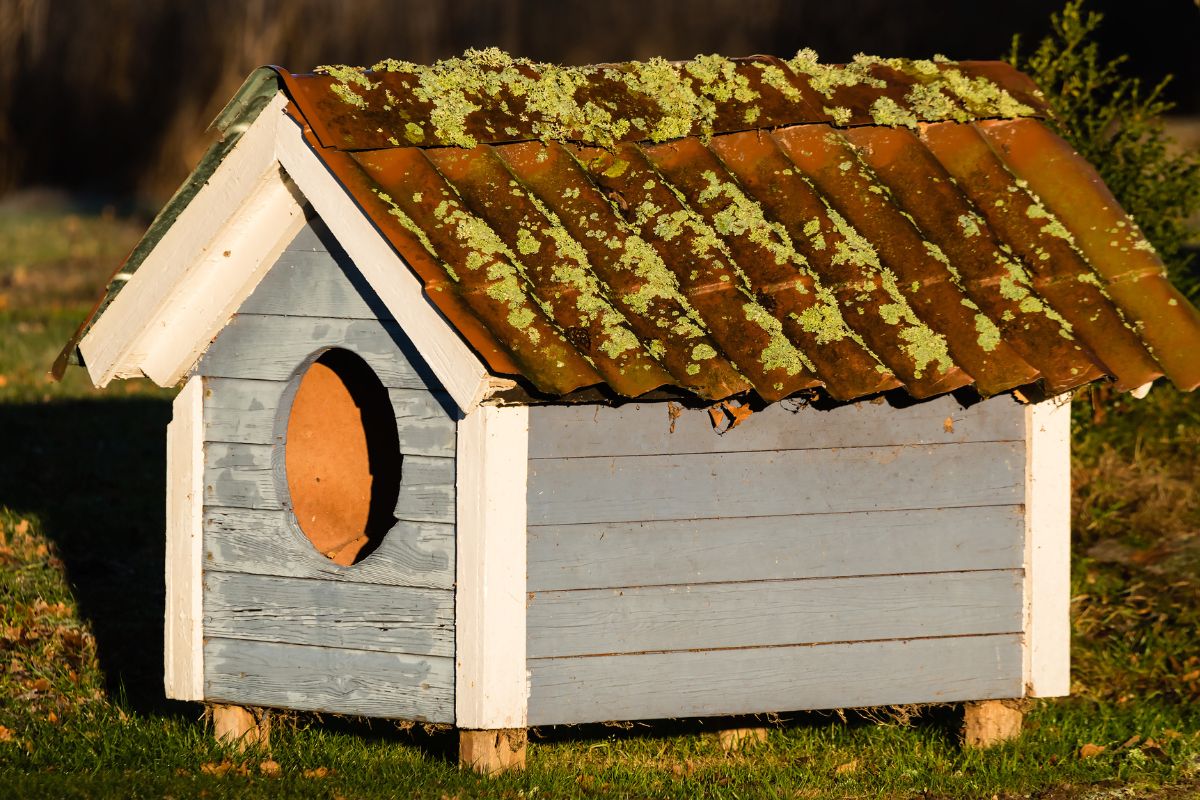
(183, 635)
(454, 363)
(491, 685)
(1048, 548)
(206, 264)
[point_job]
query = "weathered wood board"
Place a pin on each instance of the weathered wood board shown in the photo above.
(284, 625)
(771, 613)
(769, 483)
(332, 680)
(764, 679)
(644, 429)
(336, 614)
(602, 554)
(261, 542)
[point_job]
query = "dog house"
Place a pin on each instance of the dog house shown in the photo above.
(520, 395)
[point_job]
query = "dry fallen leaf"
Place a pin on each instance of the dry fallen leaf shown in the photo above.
(948, 425)
(1089, 750)
(40, 685)
(270, 768)
(319, 772)
(849, 766)
(5, 734)
(22, 527)
(214, 768)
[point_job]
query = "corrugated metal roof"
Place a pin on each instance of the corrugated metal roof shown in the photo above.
(728, 225)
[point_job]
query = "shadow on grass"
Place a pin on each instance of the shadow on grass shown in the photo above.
(94, 472)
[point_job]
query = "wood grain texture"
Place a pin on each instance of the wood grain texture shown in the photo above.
(244, 476)
(726, 615)
(646, 428)
(1048, 549)
(241, 410)
(183, 633)
(331, 614)
(600, 555)
(323, 679)
(315, 284)
(753, 484)
(717, 682)
(265, 542)
(491, 684)
(264, 347)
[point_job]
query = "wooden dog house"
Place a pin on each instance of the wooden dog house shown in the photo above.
(519, 395)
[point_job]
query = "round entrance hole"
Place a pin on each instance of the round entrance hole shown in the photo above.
(342, 457)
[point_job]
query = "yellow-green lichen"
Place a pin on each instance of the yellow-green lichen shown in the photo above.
(886, 111)
(778, 80)
(970, 224)
(527, 243)
(826, 78)
(989, 334)
(839, 114)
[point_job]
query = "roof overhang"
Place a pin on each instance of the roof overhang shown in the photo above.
(218, 242)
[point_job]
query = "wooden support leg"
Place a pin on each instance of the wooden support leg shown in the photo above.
(492, 752)
(735, 739)
(240, 726)
(991, 722)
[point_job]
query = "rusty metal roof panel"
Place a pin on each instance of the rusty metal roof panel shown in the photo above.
(723, 226)
(729, 225)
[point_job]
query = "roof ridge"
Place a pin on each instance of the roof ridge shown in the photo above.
(490, 97)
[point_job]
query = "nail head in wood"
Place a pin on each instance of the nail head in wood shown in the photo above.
(492, 752)
(991, 722)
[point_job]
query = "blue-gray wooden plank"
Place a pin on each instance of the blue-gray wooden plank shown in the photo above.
(266, 542)
(315, 284)
(313, 237)
(330, 680)
(246, 411)
(649, 428)
(765, 679)
(768, 483)
(244, 476)
(758, 613)
(605, 554)
(269, 347)
(356, 616)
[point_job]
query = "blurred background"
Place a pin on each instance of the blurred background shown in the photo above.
(109, 99)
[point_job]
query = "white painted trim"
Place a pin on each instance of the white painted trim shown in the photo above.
(206, 264)
(491, 686)
(183, 636)
(452, 361)
(1048, 548)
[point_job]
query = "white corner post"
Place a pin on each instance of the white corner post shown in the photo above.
(491, 685)
(183, 674)
(1048, 548)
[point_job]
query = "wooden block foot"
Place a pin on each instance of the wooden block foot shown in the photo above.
(734, 739)
(492, 752)
(240, 726)
(991, 722)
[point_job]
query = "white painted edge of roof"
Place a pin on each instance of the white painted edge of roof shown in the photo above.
(223, 243)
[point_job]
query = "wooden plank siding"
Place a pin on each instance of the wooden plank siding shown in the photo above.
(866, 555)
(283, 625)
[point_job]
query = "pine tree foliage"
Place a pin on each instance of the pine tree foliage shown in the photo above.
(1117, 126)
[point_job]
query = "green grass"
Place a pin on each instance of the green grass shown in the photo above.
(81, 602)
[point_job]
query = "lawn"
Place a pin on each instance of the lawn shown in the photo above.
(81, 599)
